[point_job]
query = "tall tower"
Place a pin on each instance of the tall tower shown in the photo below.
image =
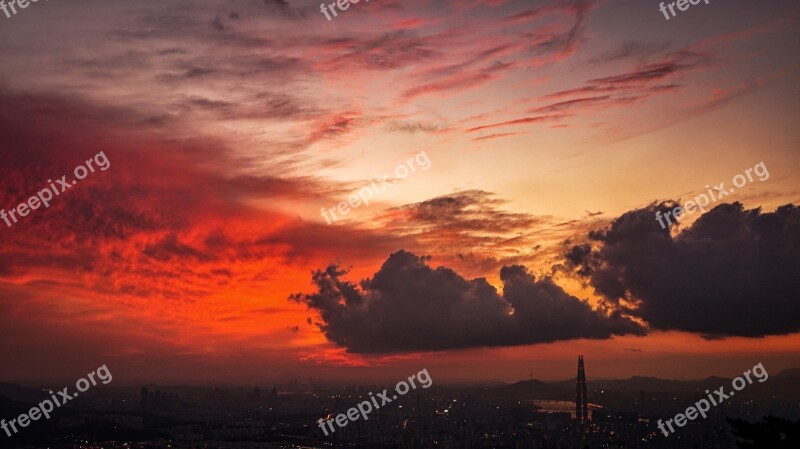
(581, 404)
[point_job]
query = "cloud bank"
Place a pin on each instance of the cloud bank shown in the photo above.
(731, 273)
(734, 272)
(409, 306)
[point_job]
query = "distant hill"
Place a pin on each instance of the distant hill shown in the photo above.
(792, 373)
(635, 383)
(21, 394)
(786, 383)
(536, 389)
(640, 383)
(12, 408)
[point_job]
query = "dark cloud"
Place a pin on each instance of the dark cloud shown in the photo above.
(570, 103)
(335, 125)
(469, 210)
(633, 49)
(266, 106)
(217, 24)
(497, 136)
(564, 42)
(409, 306)
(187, 73)
(414, 127)
(734, 272)
(642, 75)
(170, 247)
(473, 232)
(521, 121)
(653, 76)
(390, 51)
(284, 8)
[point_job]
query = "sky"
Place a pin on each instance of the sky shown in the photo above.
(540, 139)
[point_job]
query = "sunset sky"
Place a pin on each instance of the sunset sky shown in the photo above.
(553, 129)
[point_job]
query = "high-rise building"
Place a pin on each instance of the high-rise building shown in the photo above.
(581, 403)
(145, 403)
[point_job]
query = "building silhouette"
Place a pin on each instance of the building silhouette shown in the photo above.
(158, 400)
(581, 403)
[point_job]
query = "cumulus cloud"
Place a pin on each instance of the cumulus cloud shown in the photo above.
(409, 306)
(734, 272)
